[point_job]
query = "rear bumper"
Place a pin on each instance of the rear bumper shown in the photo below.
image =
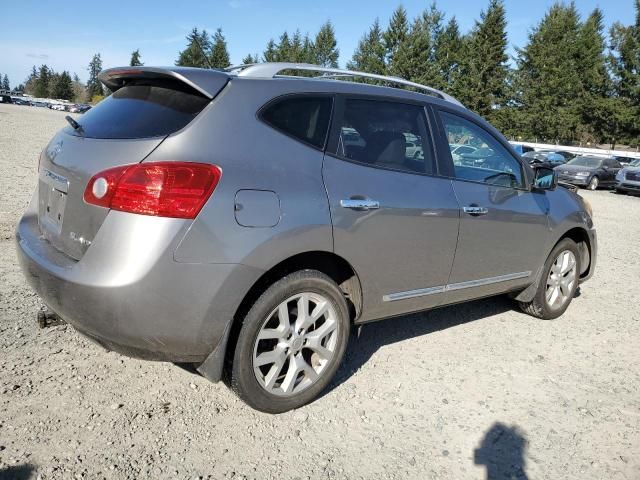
(129, 295)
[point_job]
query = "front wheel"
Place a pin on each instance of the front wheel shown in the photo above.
(291, 342)
(558, 282)
(593, 184)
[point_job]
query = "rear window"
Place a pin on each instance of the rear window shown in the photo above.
(303, 117)
(142, 110)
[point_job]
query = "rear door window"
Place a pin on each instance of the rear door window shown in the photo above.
(385, 134)
(142, 109)
(304, 117)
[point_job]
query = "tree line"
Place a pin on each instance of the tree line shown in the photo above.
(573, 82)
(44, 82)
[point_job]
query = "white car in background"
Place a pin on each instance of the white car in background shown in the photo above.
(458, 150)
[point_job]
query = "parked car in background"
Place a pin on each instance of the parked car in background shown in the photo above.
(551, 159)
(566, 155)
(589, 172)
(39, 104)
(521, 149)
(623, 159)
(413, 146)
(628, 179)
(458, 150)
(21, 101)
(158, 231)
(5, 98)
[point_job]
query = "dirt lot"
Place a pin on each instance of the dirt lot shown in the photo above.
(467, 392)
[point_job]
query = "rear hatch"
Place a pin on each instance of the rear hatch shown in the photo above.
(147, 105)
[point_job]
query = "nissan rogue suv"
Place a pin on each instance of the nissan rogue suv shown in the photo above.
(244, 221)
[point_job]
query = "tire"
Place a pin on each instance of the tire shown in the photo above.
(540, 306)
(281, 385)
(593, 183)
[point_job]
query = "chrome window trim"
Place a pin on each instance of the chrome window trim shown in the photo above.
(421, 292)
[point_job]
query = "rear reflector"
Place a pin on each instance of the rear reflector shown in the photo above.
(161, 189)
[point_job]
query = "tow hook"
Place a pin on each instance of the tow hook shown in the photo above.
(47, 318)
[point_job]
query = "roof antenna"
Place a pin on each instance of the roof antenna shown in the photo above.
(195, 39)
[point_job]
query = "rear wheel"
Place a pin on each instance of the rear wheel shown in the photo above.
(291, 342)
(593, 183)
(558, 282)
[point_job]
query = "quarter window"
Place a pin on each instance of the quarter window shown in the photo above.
(385, 134)
(303, 117)
(478, 156)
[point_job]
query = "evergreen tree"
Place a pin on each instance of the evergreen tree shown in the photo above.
(326, 46)
(395, 35)
(370, 53)
(250, 59)
(42, 82)
(197, 50)
(622, 120)
(30, 82)
(592, 71)
(271, 52)
(547, 79)
(135, 59)
(484, 62)
(62, 87)
(448, 56)
(415, 58)
(94, 86)
(283, 49)
(219, 57)
(5, 82)
(308, 51)
(624, 58)
(296, 53)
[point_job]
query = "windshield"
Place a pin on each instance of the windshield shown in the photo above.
(586, 162)
(635, 163)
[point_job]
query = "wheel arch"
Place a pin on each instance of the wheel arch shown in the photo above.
(329, 263)
(580, 236)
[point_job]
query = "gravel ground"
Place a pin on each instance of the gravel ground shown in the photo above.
(467, 392)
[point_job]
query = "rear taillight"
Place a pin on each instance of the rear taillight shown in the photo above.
(162, 189)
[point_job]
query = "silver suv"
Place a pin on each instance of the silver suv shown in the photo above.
(245, 220)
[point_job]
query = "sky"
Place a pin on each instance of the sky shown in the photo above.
(65, 35)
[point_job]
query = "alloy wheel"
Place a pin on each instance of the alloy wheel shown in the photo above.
(561, 279)
(295, 344)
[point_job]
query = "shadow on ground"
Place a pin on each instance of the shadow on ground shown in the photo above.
(398, 329)
(502, 452)
(17, 472)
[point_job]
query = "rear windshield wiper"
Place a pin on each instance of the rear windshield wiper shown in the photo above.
(76, 126)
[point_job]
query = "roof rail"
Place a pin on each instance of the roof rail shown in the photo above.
(271, 70)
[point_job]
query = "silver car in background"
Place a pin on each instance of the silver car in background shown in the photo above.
(244, 221)
(628, 179)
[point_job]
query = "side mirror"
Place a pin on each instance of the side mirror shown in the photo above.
(545, 178)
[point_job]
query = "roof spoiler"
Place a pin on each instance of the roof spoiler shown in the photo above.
(206, 82)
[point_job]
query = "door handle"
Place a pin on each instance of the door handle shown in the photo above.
(360, 204)
(475, 210)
